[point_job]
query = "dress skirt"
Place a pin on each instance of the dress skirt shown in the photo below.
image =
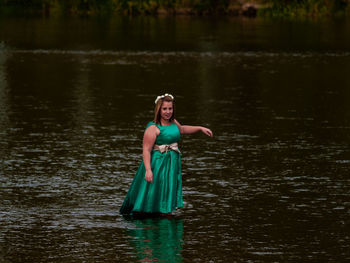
(164, 195)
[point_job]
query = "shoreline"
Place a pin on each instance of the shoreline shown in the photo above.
(247, 10)
(244, 10)
(199, 8)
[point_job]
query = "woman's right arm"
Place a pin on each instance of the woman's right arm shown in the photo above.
(149, 139)
(186, 129)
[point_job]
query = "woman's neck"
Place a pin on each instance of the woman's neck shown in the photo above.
(165, 122)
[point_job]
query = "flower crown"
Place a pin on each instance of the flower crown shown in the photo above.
(162, 96)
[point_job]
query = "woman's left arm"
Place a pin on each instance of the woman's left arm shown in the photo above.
(187, 129)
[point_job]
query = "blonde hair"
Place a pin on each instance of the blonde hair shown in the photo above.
(159, 105)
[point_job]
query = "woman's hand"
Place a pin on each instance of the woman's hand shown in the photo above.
(149, 176)
(207, 131)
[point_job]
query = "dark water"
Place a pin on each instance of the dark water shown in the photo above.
(271, 186)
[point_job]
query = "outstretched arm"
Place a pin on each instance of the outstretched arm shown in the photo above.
(187, 129)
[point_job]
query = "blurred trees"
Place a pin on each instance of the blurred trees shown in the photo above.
(193, 7)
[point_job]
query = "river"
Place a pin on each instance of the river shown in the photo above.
(272, 185)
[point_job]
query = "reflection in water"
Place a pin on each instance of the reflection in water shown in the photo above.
(157, 239)
(82, 97)
(3, 92)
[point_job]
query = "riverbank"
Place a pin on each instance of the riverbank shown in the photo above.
(250, 8)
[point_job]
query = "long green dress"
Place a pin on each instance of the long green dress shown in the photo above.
(164, 195)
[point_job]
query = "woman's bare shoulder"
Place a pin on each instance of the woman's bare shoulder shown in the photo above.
(152, 128)
(176, 122)
(178, 125)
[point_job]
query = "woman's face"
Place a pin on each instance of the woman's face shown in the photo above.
(166, 110)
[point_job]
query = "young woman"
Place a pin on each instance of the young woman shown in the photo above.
(157, 185)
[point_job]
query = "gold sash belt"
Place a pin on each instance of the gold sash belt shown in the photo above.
(167, 147)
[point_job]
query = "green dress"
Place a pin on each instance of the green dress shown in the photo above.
(165, 193)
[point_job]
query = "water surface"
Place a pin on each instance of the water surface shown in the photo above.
(271, 186)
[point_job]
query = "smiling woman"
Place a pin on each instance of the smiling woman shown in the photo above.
(165, 108)
(157, 185)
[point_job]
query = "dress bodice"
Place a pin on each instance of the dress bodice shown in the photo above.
(168, 134)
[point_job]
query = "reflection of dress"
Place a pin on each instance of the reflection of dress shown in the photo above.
(157, 239)
(165, 193)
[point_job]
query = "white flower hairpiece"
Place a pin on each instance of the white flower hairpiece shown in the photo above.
(162, 96)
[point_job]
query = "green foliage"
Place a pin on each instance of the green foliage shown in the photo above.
(302, 8)
(279, 8)
(82, 6)
(210, 6)
(137, 6)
